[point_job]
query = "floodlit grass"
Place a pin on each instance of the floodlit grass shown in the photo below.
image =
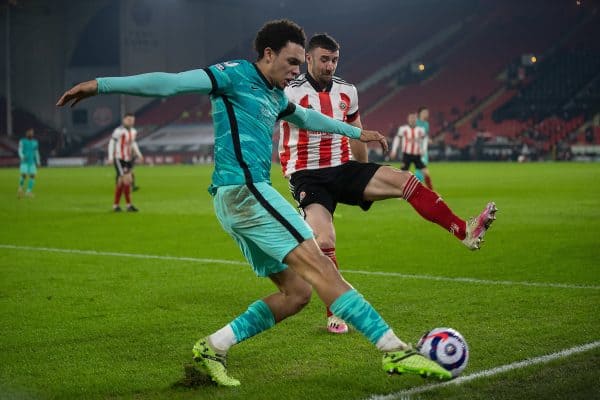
(94, 326)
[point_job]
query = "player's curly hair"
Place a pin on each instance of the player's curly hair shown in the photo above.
(324, 41)
(276, 34)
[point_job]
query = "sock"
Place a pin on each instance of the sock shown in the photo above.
(118, 191)
(431, 207)
(428, 182)
(30, 184)
(257, 318)
(21, 181)
(352, 307)
(127, 191)
(331, 254)
(419, 175)
(390, 342)
(223, 339)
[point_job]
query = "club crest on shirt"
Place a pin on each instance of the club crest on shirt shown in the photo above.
(301, 196)
(343, 106)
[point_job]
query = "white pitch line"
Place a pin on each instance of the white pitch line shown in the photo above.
(118, 254)
(473, 280)
(345, 271)
(405, 394)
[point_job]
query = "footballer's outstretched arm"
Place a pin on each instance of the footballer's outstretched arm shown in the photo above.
(154, 84)
(315, 121)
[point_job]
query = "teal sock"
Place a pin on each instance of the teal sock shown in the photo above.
(419, 175)
(257, 318)
(21, 181)
(30, 184)
(353, 308)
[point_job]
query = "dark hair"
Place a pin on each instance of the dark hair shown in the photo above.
(421, 109)
(276, 34)
(323, 41)
(129, 114)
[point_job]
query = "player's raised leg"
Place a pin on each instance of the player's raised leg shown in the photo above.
(321, 222)
(389, 182)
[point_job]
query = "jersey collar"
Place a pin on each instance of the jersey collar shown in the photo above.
(317, 86)
(263, 77)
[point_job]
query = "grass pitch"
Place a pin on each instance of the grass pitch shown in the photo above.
(104, 325)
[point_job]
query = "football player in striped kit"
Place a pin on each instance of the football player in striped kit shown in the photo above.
(122, 148)
(322, 173)
(414, 146)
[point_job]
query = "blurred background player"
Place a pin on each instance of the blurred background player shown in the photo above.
(322, 173)
(122, 148)
(423, 122)
(30, 160)
(411, 138)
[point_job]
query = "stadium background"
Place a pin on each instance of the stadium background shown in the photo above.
(501, 78)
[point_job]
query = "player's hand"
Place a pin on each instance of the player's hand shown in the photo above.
(374, 136)
(78, 93)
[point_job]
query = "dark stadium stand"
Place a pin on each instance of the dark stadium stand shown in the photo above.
(49, 140)
(475, 83)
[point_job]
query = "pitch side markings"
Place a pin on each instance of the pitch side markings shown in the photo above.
(346, 271)
(405, 394)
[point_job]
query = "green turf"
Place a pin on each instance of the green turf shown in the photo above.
(103, 326)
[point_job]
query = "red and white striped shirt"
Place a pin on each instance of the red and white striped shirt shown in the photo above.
(412, 140)
(300, 149)
(122, 144)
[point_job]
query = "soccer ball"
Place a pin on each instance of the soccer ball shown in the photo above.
(447, 347)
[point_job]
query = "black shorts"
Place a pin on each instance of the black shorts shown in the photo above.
(344, 184)
(407, 159)
(122, 167)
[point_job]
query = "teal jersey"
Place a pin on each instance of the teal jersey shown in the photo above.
(424, 125)
(28, 151)
(245, 109)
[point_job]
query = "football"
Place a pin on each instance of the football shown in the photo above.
(447, 347)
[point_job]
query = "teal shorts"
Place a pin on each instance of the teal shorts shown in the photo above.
(265, 226)
(28, 169)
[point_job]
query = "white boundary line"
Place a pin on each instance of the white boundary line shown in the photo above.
(346, 271)
(405, 394)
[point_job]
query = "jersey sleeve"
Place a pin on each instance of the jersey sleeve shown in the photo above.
(353, 110)
(222, 76)
(115, 135)
(157, 84)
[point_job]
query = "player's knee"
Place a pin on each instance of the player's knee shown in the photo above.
(302, 296)
(299, 296)
(326, 240)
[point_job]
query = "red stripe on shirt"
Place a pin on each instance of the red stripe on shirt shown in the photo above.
(302, 146)
(325, 144)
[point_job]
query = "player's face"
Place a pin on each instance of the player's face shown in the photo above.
(128, 121)
(412, 119)
(322, 64)
(424, 115)
(285, 65)
(29, 133)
